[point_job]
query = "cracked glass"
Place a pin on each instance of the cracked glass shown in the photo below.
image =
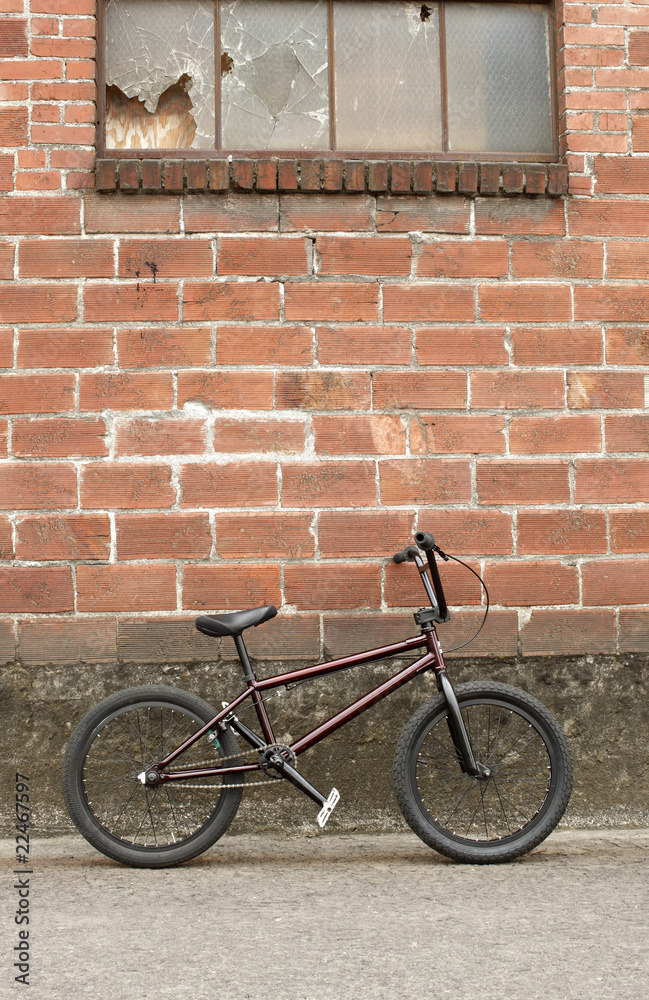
(387, 75)
(160, 74)
(498, 73)
(274, 74)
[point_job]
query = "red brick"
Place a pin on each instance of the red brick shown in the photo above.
(422, 215)
(627, 433)
(235, 484)
(590, 143)
(522, 482)
(611, 480)
(515, 390)
(470, 532)
(640, 131)
(621, 175)
(262, 255)
(363, 435)
(428, 302)
(230, 588)
(461, 346)
(6, 171)
(568, 345)
(126, 588)
(165, 258)
(608, 218)
(368, 255)
(322, 391)
(344, 301)
(612, 303)
(634, 630)
(614, 390)
(65, 438)
(327, 484)
(13, 36)
(627, 259)
(63, 536)
(347, 634)
(619, 581)
(46, 216)
(545, 435)
(227, 390)
(36, 590)
(403, 588)
(321, 213)
(37, 304)
(521, 584)
(518, 217)
(629, 530)
(45, 180)
(234, 434)
(330, 586)
(452, 259)
(173, 436)
(63, 48)
(163, 536)
(6, 349)
(425, 481)
(65, 348)
(564, 259)
(569, 632)
(126, 486)
(266, 175)
(426, 391)
(461, 434)
(63, 134)
(36, 393)
(521, 303)
(543, 532)
(149, 348)
(121, 213)
(31, 69)
(231, 300)
(66, 91)
(126, 391)
(230, 213)
(139, 302)
(79, 28)
(6, 539)
(38, 486)
(364, 533)
(274, 345)
(14, 126)
(364, 345)
(264, 536)
(58, 7)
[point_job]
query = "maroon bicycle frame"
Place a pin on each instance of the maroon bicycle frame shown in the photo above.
(432, 659)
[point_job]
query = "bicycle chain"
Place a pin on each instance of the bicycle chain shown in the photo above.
(233, 756)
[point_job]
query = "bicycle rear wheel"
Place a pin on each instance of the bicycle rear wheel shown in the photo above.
(480, 820)
(126, 820)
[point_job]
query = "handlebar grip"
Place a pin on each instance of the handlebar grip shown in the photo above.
(425, 541)
(404, 556)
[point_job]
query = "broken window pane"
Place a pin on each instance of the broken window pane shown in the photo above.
(498, 69)
(387, 75)
(156, 48)
(274, 74)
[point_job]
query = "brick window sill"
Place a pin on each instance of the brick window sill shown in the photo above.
(178, 176)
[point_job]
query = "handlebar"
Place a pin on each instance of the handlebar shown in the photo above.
(426, 543)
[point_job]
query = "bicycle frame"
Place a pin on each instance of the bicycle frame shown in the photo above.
(432, 659)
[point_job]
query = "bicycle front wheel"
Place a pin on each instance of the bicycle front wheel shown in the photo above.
(126, 820)
(484, 820)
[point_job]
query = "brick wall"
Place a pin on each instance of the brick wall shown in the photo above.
(219, 399)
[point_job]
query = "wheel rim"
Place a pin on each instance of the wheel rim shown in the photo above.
(129, 812)
(522, 761)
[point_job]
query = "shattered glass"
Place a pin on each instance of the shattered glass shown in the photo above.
(387, 75)
(152, 44)
(498, 73)
(274, 74)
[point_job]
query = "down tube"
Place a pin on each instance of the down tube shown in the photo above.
(369, 699)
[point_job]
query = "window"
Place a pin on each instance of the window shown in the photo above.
(370, 76)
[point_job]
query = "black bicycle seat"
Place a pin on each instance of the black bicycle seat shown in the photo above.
(235, 623)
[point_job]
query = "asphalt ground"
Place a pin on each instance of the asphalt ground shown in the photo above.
(332, 917)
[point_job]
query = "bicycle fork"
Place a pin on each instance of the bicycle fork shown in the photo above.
(457, 729)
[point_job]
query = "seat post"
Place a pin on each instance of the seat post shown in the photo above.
(243, 656)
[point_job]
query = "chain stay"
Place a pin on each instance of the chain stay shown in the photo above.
(222, 760)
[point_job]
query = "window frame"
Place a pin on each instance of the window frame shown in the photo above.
(106, 152)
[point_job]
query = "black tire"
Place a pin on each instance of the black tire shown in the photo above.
(493, 820)
(126, 820)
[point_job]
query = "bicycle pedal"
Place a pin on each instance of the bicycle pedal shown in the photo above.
(328, 807)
